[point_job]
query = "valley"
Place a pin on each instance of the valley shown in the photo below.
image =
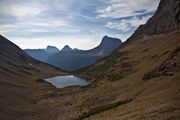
(139, 80)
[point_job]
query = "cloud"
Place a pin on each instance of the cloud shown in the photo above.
(123, 37)
(126, 8)
(123, 26)
(35, 26)
(77, 21)
(44, 41)
(126, 24)
(40, 15)
(126, 15)
(21, 10)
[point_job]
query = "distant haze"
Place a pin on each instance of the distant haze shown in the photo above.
(77, 23)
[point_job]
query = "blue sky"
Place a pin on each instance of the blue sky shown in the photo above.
(77, 23)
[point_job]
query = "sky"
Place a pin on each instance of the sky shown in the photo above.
(77, 23)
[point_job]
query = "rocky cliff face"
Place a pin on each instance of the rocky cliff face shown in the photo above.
(166, 19)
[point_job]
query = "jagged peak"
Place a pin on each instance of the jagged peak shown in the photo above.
(66, 48)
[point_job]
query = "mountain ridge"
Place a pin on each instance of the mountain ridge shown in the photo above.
(72, 59)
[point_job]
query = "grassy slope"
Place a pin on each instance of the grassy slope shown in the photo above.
(160, 96)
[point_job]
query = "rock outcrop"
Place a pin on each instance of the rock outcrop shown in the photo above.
(169, 67)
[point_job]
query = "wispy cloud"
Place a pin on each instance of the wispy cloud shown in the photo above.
(126, 15)
(126, 24)
(126, 8)
(21, 9)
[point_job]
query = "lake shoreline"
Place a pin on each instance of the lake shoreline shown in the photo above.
(65, 81)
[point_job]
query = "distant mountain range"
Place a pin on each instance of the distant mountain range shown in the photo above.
(42, 54)
(72, 59)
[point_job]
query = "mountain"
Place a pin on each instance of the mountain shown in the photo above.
(39, 54)
(70, 60)
(42, 54)
(75, 49)
(108, 45)
(52, 49)
(66, 48)
(19, 89)
(141, 78)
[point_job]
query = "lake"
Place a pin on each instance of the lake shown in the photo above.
(65, 81)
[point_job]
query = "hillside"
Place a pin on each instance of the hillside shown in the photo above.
(145, 69)
(18, 80)
(142, 43)
(149, 76)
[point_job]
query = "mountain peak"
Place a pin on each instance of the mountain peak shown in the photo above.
(107, 40)
(105, 37)
(108, 44)
(52, 49)
(66, 48)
